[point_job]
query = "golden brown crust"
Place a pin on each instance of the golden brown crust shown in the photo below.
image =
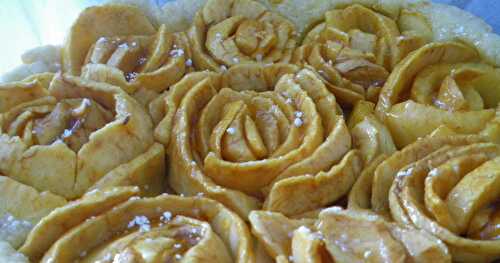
(338, 235)
(428, 185)
(164, 227)
(55, 138)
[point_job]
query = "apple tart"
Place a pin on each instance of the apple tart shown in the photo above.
(254, 135)
(339, 131)
(116, 225)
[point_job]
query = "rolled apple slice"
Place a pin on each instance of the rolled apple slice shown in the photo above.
(109, 225)
(440, 84)
(370, 135)
(258, 133)
(355, 48)
(53, 226)
(228, 32)
(64, 140)
(24, 91)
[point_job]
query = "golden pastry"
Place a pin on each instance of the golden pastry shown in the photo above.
(229, 32)
(142, 61)
(66, 138)
(101, 21)
(114, 224)
(445, 185)
(338, 235)
(60, 140)
(355, 48)
(267, 111)
(258, 133)
(440, 84)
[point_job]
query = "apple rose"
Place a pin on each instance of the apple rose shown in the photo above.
(104, 46)
(76, 135)
(228, 32)
(355, 48)
(258, 133)
(337, 235)
(115, 225)
(445, 185)
(441, 84)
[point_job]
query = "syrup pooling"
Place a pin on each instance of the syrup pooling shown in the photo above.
(127, 51)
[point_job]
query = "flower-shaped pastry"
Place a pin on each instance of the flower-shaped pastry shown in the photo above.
(75, 135)
(258, 132)
(441, 84)
(445, 185)
(338, 235)
(115, 225)
(355, 48)
(228, 32)
(134, 58)
(101, 21)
